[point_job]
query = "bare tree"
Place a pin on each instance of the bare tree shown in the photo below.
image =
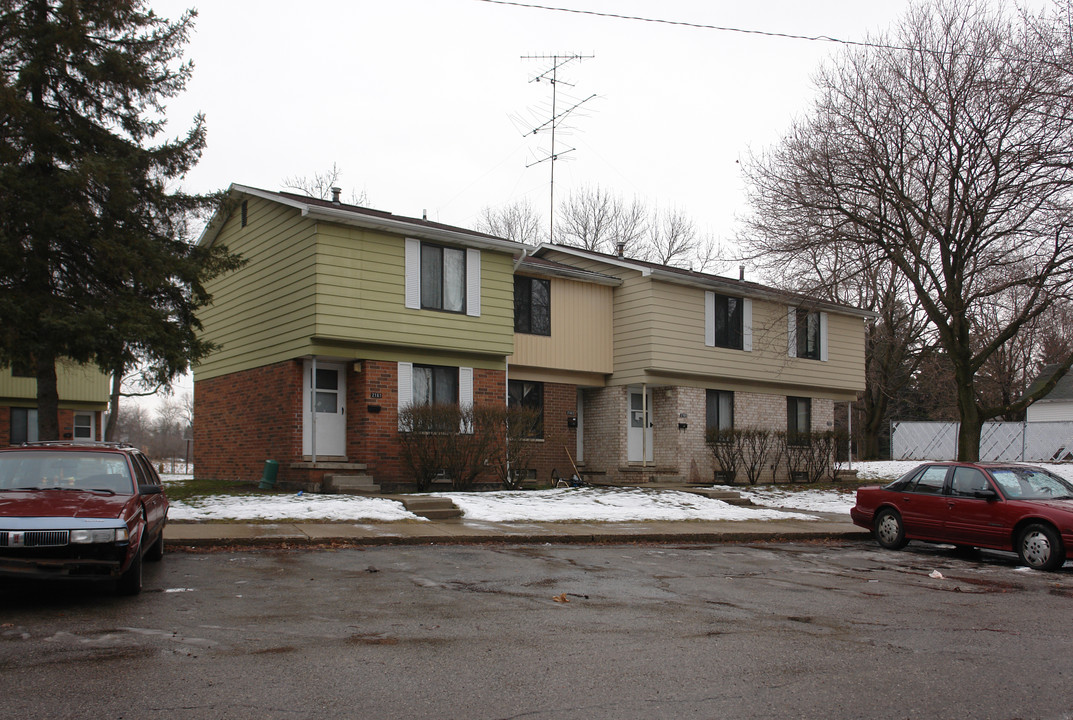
(518, 222)
(948, 148)
(672, 238)
(320, 185)
(588, 219)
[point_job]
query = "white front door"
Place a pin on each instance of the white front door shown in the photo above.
(639, 426)
(324, 410)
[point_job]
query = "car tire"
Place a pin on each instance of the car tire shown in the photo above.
(1040, 548)
(155, 553)
(130, 582)
(889, 530)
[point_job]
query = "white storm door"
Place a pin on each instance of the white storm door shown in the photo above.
(324, 410)
(639, 426)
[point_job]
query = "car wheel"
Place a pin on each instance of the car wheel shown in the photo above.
(1040, 548)
(130, 582)
(155, 553)
(889, 531)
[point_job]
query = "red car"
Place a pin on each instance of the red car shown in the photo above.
(1017, 508)
(78, 511)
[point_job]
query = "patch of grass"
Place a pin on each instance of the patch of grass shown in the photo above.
(196, 487)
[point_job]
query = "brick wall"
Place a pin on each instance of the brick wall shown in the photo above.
(66, 424)
(605, 427)
(245, 418)
(551, 452)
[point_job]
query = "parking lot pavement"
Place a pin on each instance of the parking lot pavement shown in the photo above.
(180, 534)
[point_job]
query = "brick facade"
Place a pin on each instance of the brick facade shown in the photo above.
(66, 423)
(245, 418)
(680, 454)
(555, 450)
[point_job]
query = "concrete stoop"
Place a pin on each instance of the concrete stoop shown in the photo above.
(359, 484)
(433, 508)
(731, 497)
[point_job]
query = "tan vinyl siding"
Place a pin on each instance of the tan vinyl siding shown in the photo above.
(659, 339)
(581, 331)
(264, 312)
(312, 287)
(77, 385)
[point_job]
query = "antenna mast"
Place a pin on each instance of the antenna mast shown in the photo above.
(552, 75)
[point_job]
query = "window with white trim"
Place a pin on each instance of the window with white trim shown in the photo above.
(440, 277)
(433, 384)
(807, 334)
(83, 427)
(728, 321)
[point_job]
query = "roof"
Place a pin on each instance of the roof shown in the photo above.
(543, 266)
(1063, 391)
(358, 216)
(718, 283)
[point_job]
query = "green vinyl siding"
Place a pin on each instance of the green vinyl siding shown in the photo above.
(320, 288)
(83, 386)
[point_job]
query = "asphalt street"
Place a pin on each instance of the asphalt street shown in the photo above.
(818, 629)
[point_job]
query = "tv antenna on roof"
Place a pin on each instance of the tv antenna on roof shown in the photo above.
(551, 75)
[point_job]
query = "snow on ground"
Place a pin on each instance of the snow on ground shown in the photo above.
(560, 505)
(603, 505)
(290, 507)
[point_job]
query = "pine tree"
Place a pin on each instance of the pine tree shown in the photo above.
(95, 259)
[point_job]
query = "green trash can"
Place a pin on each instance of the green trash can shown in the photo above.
(268, 479)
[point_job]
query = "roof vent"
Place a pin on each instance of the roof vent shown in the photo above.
(621, 248)
(741, 272)
(335, 195)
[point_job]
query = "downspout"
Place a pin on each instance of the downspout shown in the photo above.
(644, 425)
(313, 410)
(525, 254)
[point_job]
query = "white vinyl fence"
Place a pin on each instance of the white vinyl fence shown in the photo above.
(999, 441)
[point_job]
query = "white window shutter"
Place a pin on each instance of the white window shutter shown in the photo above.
(465, 395)
(823, 336)
(709, 318)
(791, 331)
(747, 325)
(473, 282)
(405, 388)
(413, 274)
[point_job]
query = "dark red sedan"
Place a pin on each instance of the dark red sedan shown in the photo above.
(1017, 508)
(74, 511)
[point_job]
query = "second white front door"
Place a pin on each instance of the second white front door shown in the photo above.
(639, 426)
(324, 410)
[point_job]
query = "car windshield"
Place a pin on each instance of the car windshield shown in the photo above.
(1031, 484)
(72, 470)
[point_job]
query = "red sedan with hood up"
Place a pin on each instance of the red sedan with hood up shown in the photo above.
(1017, 508)
(78, 511)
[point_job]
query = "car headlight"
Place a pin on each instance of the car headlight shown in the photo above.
(84, 537)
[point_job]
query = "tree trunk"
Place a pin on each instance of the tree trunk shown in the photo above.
(969, 412)
(113, 407)
(871, 427)
(48, 400)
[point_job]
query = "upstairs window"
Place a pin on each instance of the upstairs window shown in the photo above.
(807, 334)
(728, 322)
(443, 278)
(532, 305)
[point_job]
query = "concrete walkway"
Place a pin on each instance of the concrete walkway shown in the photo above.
(459, 531)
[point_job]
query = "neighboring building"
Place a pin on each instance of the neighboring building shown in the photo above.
(83, 395)
(693, 351)
(343, 315)
(1056, 405)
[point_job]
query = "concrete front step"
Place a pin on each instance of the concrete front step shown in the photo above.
(433, 508)
(350, 484)
(731, 497)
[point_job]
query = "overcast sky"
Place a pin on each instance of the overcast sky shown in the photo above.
(425, 104)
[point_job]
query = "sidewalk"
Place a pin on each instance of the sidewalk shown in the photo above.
(439, 532)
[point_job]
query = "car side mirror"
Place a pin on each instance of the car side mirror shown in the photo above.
(986, 494)
(149, 489)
